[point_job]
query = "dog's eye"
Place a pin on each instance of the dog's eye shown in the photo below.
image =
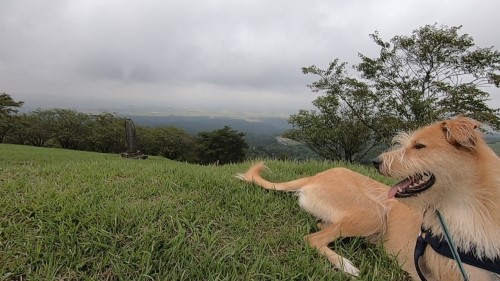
(419, 146)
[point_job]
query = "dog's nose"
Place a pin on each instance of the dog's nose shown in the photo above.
(376, 163)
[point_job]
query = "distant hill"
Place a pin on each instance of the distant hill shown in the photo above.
(256, 128)
(195, 124)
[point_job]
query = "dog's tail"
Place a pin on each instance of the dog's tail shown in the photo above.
(252, 175)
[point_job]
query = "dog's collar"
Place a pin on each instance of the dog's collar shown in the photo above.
(442, 247)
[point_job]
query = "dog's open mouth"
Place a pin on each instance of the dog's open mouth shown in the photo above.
(411, 186)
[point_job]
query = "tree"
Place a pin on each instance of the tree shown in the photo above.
(336, 136)
(70, 128)
(106, 133)
(6, 125)
(336, 130)
(8, 105)
(19, 133)
(221, 146)
(39, 127)
(433, 74)
(7, 109)
(169, 142)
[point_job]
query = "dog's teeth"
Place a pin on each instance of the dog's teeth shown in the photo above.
(399, 189)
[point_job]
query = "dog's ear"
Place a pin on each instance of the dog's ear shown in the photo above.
(461, 131)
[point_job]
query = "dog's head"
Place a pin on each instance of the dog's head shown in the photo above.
(432, 160)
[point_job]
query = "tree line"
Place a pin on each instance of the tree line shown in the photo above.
(105, 133)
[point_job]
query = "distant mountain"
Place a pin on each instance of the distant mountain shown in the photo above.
(195, 124)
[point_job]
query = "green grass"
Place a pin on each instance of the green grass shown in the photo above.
(70, 215)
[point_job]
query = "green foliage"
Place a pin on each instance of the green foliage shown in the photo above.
(106, 133)
(8, 105)
(169, 142)
(39, 126)
(72, 215)
(268, 147)
(221, 146)
(279, 151)
(7, 108)
(335, 132)
(6, 125)
(69, 129)
(19, 133)
(431, 75)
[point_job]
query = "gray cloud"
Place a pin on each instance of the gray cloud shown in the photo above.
(219, 55)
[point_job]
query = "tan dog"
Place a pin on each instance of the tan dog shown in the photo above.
(445, 166)
(448, 167)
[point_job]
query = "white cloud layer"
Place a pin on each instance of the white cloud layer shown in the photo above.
(215, 55)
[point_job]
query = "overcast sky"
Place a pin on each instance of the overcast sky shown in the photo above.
(225, 56)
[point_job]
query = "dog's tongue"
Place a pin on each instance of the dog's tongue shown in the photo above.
(401, 185)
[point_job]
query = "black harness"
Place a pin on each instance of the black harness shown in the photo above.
(441, 246)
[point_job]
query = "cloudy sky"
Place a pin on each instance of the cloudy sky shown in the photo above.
(235, 56)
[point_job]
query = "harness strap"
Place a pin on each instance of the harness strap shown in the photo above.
(443, 248)
(419, 251)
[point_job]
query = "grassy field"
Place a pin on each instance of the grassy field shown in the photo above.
(69, 215)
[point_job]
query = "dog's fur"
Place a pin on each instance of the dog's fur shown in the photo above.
(466, 191)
